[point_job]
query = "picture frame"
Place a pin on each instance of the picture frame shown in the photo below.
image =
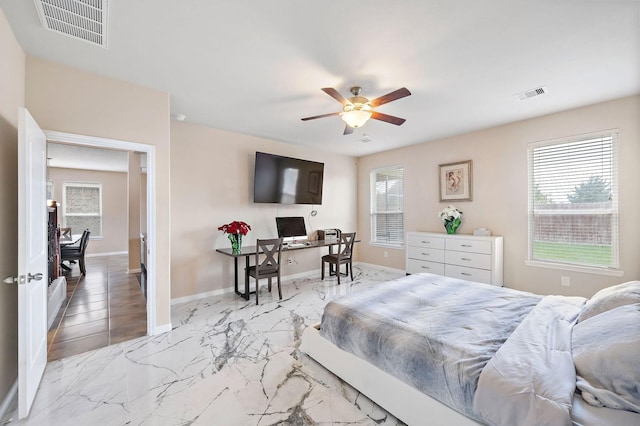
(456, 181)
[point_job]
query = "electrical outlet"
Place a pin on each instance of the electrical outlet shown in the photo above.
(565, 281)
(386, 253)
(290, 261)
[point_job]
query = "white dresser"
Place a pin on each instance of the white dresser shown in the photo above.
(468, 257)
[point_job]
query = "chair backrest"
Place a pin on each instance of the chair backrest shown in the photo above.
(345, 244)
(65, 234)
(84, 240)
(271, 249)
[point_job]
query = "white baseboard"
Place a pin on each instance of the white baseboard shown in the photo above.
(9, 402)
(384, 268)
(113, 253)
(159, 329)
(191, 298)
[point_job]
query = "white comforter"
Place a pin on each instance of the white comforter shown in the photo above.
(531, 378)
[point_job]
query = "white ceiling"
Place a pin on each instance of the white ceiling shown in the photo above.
(256, 67)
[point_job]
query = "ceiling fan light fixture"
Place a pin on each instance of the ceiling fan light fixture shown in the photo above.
(355, 115)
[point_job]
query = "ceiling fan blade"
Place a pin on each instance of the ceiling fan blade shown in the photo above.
(320, 116)
(388, 118)
(336, 95)
(348, 130)
(396, 94)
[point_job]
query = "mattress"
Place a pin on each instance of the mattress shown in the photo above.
(432, 332)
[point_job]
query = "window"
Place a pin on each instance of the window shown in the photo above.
(50, 190)
(573, 202)
(387, 217)
(82, 207)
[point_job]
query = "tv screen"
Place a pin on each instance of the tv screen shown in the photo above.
(286, 180)
(289, 227)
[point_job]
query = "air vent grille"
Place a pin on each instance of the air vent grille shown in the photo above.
(84, 20)
(532, 93)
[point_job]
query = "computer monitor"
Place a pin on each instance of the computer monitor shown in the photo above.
(291, 228)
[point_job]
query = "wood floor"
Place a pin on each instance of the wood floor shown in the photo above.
(104, 308)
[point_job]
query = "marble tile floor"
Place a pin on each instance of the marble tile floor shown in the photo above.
(225, 362)
(103, 308)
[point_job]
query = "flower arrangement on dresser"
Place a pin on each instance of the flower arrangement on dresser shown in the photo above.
(235, 230)
(451, 217)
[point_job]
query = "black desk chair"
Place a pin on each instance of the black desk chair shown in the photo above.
(76, 252)
(270, 266)
(344, 256)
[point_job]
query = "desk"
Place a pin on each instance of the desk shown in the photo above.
(248, 251)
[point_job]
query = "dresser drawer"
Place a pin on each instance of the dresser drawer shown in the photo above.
(424, 253)
(474, 246)
(425, 241)
(469, 274)
(472, 260)
(416, 266)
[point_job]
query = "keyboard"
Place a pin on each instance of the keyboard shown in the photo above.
(295, 245)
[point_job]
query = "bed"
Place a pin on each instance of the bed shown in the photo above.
(467, 353)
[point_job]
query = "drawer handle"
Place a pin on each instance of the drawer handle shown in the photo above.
(466, 245)
(465, 274)
(425, 267)
(426, 242)
(425, 254)
(465, 259)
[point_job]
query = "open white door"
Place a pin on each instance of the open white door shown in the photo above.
(32, 260)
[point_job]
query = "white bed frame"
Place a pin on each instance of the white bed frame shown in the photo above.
(400, 399)
(414, 407)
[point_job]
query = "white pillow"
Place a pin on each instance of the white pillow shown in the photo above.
(606, 353)
(609, 298)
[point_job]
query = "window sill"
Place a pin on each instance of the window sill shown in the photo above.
(575, 268)
(387, 245)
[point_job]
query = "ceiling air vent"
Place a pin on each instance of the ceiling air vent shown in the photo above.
(532, 93)
(84, 20)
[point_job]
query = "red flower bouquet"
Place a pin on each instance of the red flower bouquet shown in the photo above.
(235, 231)
(235, 227)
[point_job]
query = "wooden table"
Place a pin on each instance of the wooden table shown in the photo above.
(248, 251)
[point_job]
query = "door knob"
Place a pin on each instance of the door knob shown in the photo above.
(20, 279)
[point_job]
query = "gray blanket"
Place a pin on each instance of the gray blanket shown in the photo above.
(432, 332)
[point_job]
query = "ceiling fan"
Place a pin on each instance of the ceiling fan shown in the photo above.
(358, 109)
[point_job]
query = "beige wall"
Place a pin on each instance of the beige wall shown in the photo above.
(69, 100)
(500, 191)
(12, 87)
(114, 206)
(212, 184)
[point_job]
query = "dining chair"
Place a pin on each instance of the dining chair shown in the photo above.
(65, 234)
(269, 268)
(76, 252)
(344, 256)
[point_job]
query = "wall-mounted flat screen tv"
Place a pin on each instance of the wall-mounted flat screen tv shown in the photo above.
(285, 180)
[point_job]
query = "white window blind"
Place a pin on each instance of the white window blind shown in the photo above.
(573, 201)
(82, 207)
(387, 200)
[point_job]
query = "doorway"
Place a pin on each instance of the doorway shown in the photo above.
(150, 240)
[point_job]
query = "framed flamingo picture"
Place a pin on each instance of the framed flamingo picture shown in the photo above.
(455, 181)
